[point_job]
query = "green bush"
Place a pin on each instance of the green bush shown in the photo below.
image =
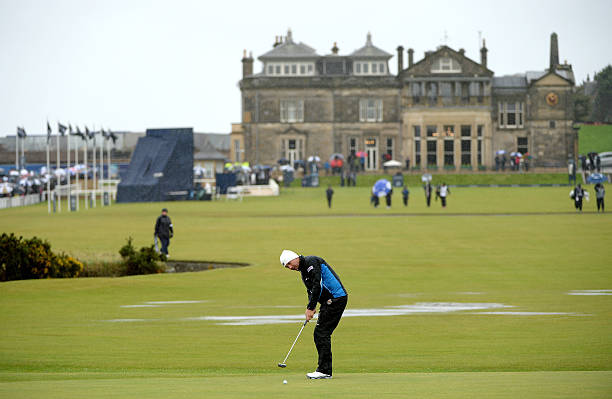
(103, 269)
(23, 259)
(144, 261)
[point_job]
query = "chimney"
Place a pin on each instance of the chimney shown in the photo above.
(554, 51)
(400, 59)
(410, 57)
(335, 49)
(276, 41)
(462, 51)
(247, 64)
(483, 54)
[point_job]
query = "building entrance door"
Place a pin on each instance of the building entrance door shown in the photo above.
(371, 162)
(292, 152)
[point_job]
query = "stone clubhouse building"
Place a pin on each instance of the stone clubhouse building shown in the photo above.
(444, 111)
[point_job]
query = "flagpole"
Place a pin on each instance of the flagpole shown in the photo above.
(86, 171)
(101, 180)
(48, 173)
(17, 151)
(94, 167)
(57, 176)
(22, 152)
(76, 167)
(68, 170)
(108, 171)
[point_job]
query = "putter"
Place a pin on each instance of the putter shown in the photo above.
(284, 364)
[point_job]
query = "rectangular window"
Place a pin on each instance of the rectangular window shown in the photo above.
(551, 124)
(416, 92)
(417, 131)
(237, 150)
(466, 152)
(432, 131)
(381, 68)
(432, 159)
(466, 131)
(479, 129)
(501, 115)
(449, 152)
(511, 114)
(374, 67)
(479, 154)
(358, 67)
(365, 67)
(353, 145)
(278, 69)
(370, 110)
(270, 69)
(390, 147)
(303, 69)
(446, 89)
(293, 69)
(286, 69)
(522, 145)
(520, 114)
(417, 151)
(291, 111)
(449, 130)
(309, 68)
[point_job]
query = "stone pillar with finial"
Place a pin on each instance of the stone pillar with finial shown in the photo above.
(400, 60)
(483, 54)
(410, 57)
(554, 52)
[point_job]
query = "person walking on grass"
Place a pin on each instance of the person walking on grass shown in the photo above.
(164, 231)
(329, 193)
(324, 286)
(577, 194)
(600, 193)
(405, 194)
(427, 188)
(444, 192)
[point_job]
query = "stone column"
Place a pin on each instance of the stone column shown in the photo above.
(474, 157)
(457, 147)
(440, 147)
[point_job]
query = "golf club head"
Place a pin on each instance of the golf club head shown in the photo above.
(282, 365)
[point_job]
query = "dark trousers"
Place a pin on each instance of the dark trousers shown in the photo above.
(165, 242)
(428, 198)
(600, 204)
(578, 203)
(443, 202)
(329, 317)
(405, 201)
(329, 202)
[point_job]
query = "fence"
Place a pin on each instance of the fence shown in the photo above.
(11, 202)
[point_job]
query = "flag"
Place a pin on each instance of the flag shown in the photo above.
(112, 136)
(61, 128)
(104, 134)
(89, 134)
(79, 133)
(70, 131)
(21, 132)
(49, 131)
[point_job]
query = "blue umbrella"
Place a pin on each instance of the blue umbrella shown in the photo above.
(597, 178)
(381, 188)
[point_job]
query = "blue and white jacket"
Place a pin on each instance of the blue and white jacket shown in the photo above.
(321, 282)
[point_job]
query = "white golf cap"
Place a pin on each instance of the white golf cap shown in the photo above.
(287, 256)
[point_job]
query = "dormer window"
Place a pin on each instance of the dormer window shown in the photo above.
(445, 65)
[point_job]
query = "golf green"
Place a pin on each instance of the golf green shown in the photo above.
(501, 294)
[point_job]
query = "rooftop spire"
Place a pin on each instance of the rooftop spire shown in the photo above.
(289, 36)
(554, 51)
(369, 39)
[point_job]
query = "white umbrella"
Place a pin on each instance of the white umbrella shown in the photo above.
(500, 152)
(426, 177)
(5, 188)
(314, 158)
(60, 172)
(392, 163)
(287, 167)
(13, 173)
(24, 172)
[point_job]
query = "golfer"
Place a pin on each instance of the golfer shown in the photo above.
(323, 285)
(164, 230)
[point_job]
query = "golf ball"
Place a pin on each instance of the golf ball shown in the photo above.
(284, 381)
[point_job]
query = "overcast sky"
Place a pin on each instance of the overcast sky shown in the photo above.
(131, 64)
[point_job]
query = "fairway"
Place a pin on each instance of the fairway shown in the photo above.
(505, 293)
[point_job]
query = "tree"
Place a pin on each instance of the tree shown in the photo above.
(582, 106)
(602, 105)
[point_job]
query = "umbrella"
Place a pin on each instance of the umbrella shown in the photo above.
(60, 172)
(597, 178)
(283, 161)
(5, 188)
(381, 188)
(336, 156)
(392, 163)
(23, 172)
(516, 154)
(287, 168)
(314, 158)
(13, 173)
(426, 177)
(361, 154)
(500, 152)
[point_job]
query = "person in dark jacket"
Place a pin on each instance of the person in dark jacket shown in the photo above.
(577, 195)
(164, 230)
(427, 188)
(600, 193)
(329, 193)
(405, 194)
(324, 286)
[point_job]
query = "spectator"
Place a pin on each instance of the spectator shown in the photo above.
(164, 230)
(503, 163)
(427, 188)
(388, 198)
(497, 162)
(405, 194)
(329, 193)
(598, 163)
(571, 170)
(444, 192)
(600, 193)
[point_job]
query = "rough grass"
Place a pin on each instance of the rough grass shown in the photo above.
(592, 138)
(55, 342)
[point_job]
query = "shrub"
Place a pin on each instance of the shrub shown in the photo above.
(144, 261)
(22, 259)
